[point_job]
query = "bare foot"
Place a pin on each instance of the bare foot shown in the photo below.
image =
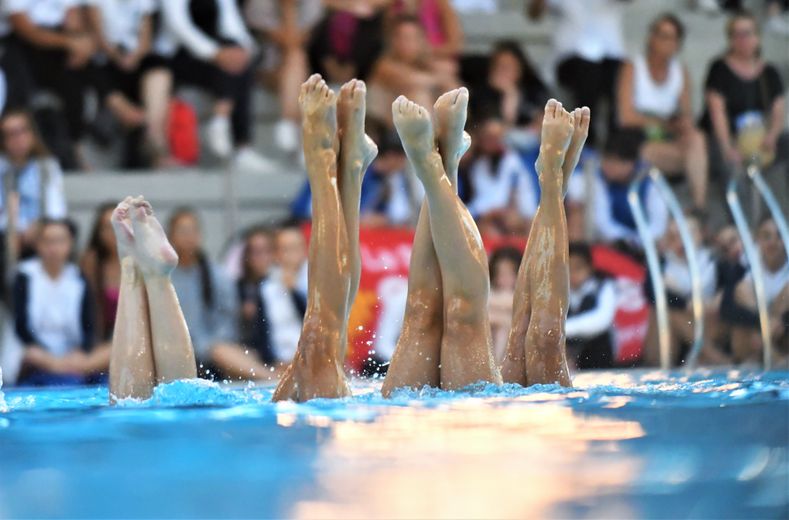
(557, 129)
(357, 149)
(121, 224)
(415, 129)
(449, 116)
(319, 122)
(312, 375)
(152, 251)
(581, 119)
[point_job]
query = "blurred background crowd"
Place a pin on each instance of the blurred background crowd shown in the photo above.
(195, 103)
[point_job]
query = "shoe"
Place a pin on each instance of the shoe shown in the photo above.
(219, 141)
(248, 160)
(286, 135)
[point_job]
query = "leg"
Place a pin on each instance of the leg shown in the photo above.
(466, 346)
(172, 346)
(155, 91)
(132, 372)
(316, 370)
(416, 359)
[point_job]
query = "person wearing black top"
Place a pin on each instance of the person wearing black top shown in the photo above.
(257, 258)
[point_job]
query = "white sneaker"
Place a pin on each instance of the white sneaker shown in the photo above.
(286, 135)
(249, 160)
(220, 142)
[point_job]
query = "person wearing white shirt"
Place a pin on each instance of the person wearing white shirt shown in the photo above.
(588, 48)
(52, 38)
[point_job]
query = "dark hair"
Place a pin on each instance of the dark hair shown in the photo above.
(206, 282)
(40, 150)
(582, 251)
(529, 76)
(510, 253)
(103, 254)
(669, 18)
(246, 271)
(69, 224)
(742, 14)
(623, 144)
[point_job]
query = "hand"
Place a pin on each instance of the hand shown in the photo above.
(129, 62)
(80, 49)
(289, 278)
(680, 125)
(769, 144)
(733, 156)
(74, 362)
(232, 60)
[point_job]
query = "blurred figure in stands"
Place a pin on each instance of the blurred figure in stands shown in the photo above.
(58, 339)
(31, 183)
(504, 263)
(205, 43)
(55, 48)
(285, 27)
(745, 99)
(407, 67)
(655, 97)
(588, 50)
(590, 317)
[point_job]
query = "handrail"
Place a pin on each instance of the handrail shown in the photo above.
(772, 204)
(656, 273)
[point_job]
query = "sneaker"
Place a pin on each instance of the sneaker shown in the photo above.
(286, 135)
(219, 140)
(248, 160)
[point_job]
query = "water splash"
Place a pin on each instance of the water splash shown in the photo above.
(3, 407)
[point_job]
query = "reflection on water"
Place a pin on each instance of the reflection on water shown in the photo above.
(619, 445)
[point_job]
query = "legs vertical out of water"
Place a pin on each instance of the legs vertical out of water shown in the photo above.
(316, 370)
(357, 151)
(466, 355)
(416, 361)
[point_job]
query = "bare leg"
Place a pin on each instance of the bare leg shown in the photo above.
(292, 73)
(513, 368)
(172, 346)
(357, 151)
(416, 360)
(156, 87)
(132, 372)
(466, 345)
(316, 370)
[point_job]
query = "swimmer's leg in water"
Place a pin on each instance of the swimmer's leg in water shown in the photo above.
(357, 151)
(417, 358)
(132, 372)
(172, 346)
(513, 369)
(466, 346)
(316, 370)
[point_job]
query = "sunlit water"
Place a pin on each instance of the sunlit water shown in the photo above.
(619, 445)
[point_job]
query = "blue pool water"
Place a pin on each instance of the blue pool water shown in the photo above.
(619, 445)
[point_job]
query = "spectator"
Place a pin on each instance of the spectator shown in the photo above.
(588, 48)
(58, 339)
(31, 181)
(285, 27)
(655, 97)
(55, 49)
(745, 101)
(513, 92)
(590, 317)
(348, 40)
(124, 32)
(206, 297)
(739, 306)
(614, 220)
(407, 67)
(102, 269)
(285, 292)
(504, 264)
(205, 44)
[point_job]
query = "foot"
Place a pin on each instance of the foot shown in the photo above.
(319, 121)
(415, 129)
(219, 137)
(557, 129)
(357, 150)
(449, 116)
(311, 377)
(152, 251)
(121, 224)
(581, 119)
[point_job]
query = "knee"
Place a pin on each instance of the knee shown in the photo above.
(547, 332)
(461, 312)
(424, 309)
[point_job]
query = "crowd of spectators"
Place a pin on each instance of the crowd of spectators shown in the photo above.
(131, 56)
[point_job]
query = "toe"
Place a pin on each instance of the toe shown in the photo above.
(550, 108)
(586, 117)
(461, 95)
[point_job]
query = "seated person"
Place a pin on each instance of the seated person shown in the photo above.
(654, 96)
(407, 66)
(504, 263)
(285, 28)
(56, 48)
(207, 299)
(284, 292)
(205, 43)
(590, 316)
(54, 314)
